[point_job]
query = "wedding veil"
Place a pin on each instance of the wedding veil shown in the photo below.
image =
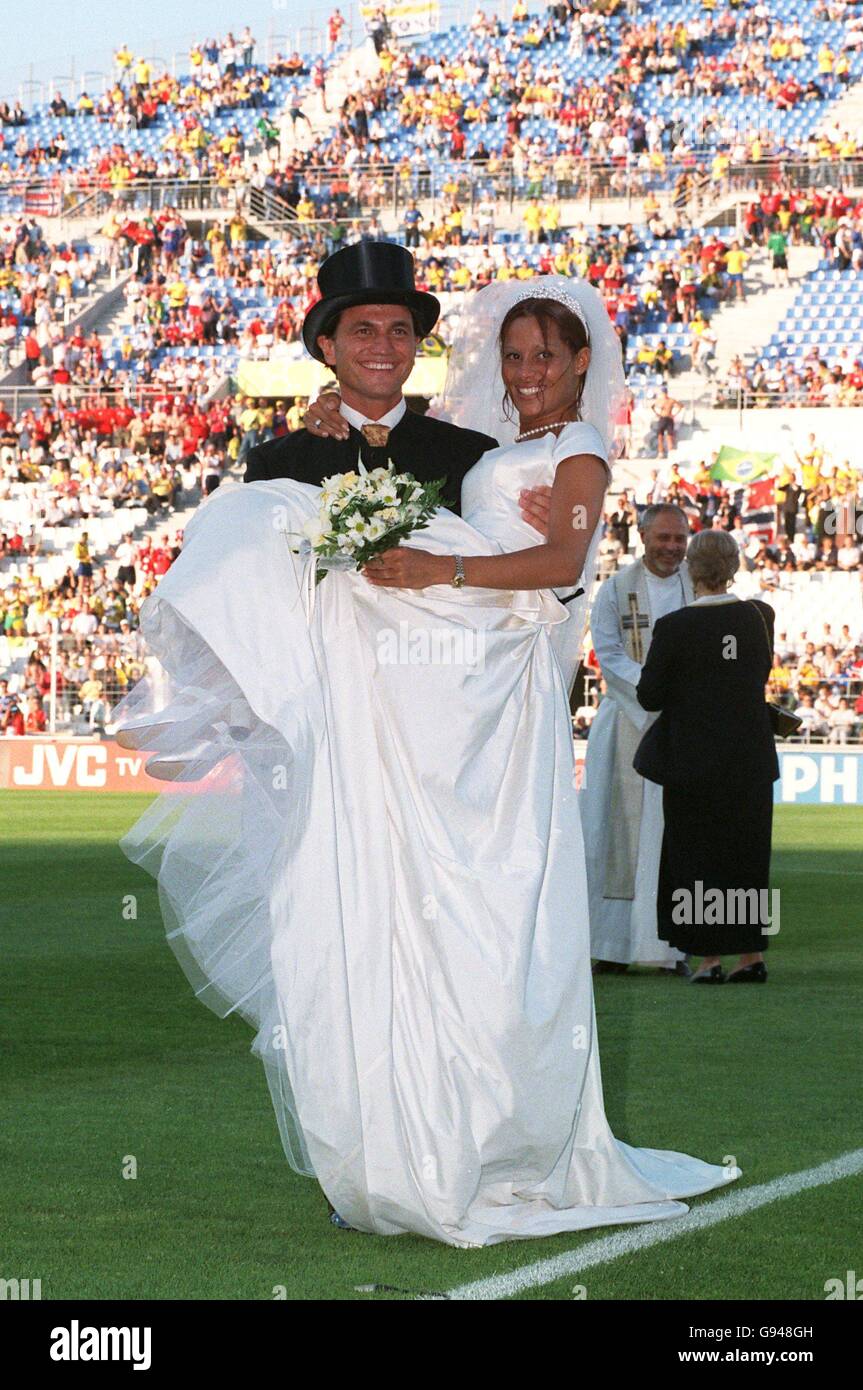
(473, 395)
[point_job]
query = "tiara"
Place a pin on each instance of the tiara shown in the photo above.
(562, 297)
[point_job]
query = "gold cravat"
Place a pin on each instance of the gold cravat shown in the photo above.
(376, 435)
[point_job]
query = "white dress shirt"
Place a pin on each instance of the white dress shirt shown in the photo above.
(391, 419)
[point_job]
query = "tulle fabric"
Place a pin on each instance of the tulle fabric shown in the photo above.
(214, 838)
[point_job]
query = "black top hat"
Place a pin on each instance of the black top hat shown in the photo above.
(370, 272)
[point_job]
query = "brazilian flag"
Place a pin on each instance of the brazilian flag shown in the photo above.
(741, 465)
(432, 346)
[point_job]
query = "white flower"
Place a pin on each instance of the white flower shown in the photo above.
(316, 529)
(390, 513)
(375, 529)
(387, 495)
(357, 528)
(337, 481)
(346, 544)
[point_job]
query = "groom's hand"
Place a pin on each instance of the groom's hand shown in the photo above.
(535, 504)
(323, 419)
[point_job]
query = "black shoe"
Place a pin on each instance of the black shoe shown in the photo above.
(714, 976)
(749, 974)
(681, 969)
(609, 967)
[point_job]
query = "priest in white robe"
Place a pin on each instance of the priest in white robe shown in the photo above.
(621, 812)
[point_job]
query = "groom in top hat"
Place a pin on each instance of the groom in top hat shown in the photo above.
(366, 327)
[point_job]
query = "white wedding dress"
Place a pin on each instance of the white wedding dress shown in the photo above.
(378, 861)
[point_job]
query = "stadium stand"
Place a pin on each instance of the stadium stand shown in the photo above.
(815, 355)
(206, 200)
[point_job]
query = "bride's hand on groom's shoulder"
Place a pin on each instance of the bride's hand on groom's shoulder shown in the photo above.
(535, 505)
(323, 419)
(403, 567)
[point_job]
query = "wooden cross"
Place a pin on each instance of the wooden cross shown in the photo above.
(632, 624)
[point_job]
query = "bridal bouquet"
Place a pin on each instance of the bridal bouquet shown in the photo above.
(364, 512)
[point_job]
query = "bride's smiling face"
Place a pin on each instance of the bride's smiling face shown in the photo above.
(542, 374)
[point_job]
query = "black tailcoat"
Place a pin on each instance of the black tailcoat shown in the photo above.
(418, 444)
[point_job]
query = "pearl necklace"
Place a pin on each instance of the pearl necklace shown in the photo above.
(544, 429)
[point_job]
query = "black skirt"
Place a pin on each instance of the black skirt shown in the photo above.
(716, 838)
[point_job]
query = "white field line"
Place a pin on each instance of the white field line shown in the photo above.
(628, 1242)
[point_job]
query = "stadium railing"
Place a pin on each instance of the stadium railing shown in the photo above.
(17, 399)
(688, 182)
(113, 661)
(742, 398)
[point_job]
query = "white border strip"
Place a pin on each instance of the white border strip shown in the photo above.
(612, 1247)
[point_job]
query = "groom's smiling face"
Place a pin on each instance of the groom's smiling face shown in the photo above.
(372, 352)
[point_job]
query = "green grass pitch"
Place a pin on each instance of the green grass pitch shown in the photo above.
(109, 1056)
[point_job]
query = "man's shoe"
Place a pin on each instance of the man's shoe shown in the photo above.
(609, 967)
(749, 974)
(714, 976)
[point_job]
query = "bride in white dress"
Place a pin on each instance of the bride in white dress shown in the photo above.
(377, 859)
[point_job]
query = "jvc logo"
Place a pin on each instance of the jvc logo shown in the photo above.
(85, 766)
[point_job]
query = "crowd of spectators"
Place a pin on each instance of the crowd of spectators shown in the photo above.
(822, 682)
(807, 216)
(822, 377)
(76, 466)
(133, 423)
(62, 471)
(824, 374)
(653, 277)
(222, 78)
(478, 107)
(39, 282)
(819, 678)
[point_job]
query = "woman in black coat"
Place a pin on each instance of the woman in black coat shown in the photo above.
(712, 751)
